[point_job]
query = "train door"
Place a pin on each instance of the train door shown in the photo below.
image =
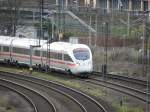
(6, 52)
(68, 62)
(43, 57)
(65, 63)
(0, 52)
(11, 50)
(59, 61)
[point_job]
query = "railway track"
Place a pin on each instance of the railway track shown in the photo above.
(124, 85)
(42, 104)
(76, 101)
(26, 98)
(124, 78)
(135, 83)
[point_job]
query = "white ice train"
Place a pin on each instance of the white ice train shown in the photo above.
(72, 58)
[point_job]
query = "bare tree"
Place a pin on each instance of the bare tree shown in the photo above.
(9, 16)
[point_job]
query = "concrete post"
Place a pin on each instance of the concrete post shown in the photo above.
(148, 10)
(56, 2)
(108, 6)
(66, 4)
(149, 5)
(142, 5)
(130, 5)
(94, 3)
(87, 2)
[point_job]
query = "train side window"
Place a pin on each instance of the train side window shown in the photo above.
(26, 51)
(44, 53)
(37, 53)
(5, 48)
(0, 48)
(67, 58)
(59, 56)
(21, 50)
(52, 55)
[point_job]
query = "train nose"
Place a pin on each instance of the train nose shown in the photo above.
(85, 67)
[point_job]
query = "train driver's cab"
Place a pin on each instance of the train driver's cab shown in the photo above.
(81, 54)
(83, 59)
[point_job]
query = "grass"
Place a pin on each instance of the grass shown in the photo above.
(127, 108)
(65, 81)
(131, 109)
(124, 106)
(73, 83)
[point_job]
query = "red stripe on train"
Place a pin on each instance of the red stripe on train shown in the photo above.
(37, 58)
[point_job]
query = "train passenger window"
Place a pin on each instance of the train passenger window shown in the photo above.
(5, 48)
(67, 57)
(21, 50)
(26, 51)
(58, 56)
(44, 53)
(37, 53)
(81, 54)
(52, 55)
(0, 48)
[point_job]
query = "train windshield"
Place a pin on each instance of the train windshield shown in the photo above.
(81, 54)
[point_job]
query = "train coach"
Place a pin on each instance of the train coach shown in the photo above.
(72, 58)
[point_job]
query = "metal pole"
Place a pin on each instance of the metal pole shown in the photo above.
(106, 34)
(31, 49)
(96, 22)
(77, 3)
(41, 20)
(90, 31)
(59, 18)
(106, 45)
(52, 23)
(146, 58)
(128, 25)
(33, 17)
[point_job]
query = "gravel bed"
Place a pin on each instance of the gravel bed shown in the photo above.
(13, 102)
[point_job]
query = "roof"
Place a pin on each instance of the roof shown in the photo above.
(64, 46)
(20, 42)
(26, 42)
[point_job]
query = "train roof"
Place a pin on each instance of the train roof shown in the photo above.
(64, 46)
(19, 42)
(26, 42)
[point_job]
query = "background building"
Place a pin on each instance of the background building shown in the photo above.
(76, 16)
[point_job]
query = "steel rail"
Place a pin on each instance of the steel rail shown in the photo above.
(22, 95)
(74, 93)
(48, 87)
(123, 78)
(141, 95)
(46, 100)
